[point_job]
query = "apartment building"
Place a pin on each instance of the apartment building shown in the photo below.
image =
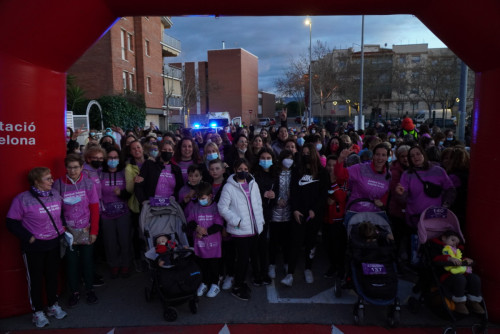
(129, 58)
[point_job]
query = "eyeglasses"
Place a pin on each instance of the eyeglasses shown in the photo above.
(48, 179)
(73, 168)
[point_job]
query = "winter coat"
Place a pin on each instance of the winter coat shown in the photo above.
(235, 208)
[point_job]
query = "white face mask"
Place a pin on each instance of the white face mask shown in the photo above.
(287, 163)
(72, 200)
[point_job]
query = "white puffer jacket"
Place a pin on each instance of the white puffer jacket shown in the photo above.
(234, 207)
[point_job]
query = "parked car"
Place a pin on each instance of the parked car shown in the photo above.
(264, 121)
(272, 122)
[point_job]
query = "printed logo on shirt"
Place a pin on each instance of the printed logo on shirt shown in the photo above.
(306, 179)
(377, 184)
(51, 208)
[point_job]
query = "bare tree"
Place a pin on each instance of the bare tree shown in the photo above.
(294, 80)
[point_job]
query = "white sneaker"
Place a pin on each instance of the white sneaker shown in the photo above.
(214, 291)
(288, 280)
(40, 320)
(202, 289)
(285, 269)
(309, 276)
(272, 271)
(228, 283)
(56, 311)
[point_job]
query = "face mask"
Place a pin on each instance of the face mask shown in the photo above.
(441, 143)
(313, 131)
(96, 164)
(242, 150)
(242, 175)
(212, 156)
(306, 158)
(287, 163)
(389, 159)
(449, 138)
(108, 133)
(330, 192)
(203, 202)
(392, 140)
(265, 163)
(72, 200)
(319, 147)
(68, 133)
(166, 156)
(154, 153)
(92, 134)
(334, 148)
(301, 141)
(113, 163)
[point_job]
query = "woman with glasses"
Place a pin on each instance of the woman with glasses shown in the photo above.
(39, 229)
(81, 212)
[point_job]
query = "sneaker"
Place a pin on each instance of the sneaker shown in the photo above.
(266, 280)
(475, 307)
(115, 271)
(98, 281)
(285, 268)
(214, 291)
(74, 299)
(125, 272)
(308, 276)
(257, 282)
(288, 280)
(272, 271)
(461, 308)
(91, 297)
(202, 289)
(228, 283)
(40, 320)
(241, 293)
(56, 311)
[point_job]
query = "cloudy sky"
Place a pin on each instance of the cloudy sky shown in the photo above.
(276, 40)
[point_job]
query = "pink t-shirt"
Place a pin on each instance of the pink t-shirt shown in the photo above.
(205, 216)
(166, 183)
(34, 217)
(184, 165)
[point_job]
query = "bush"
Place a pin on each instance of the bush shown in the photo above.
(126, 111)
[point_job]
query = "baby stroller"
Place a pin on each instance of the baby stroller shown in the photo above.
(434, 221)
(373, 267)
(178, 278)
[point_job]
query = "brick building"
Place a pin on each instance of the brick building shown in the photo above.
(129, 57)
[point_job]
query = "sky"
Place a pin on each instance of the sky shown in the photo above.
(277, 40)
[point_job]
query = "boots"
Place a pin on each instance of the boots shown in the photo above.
(460, 308)
(475, 307)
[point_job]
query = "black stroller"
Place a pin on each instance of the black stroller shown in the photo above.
(434, 221)
(373, 267)
(176, 280)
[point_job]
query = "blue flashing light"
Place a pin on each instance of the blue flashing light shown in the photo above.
(213, 125)
(196, 125)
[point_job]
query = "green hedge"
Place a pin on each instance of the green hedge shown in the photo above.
(126, 111)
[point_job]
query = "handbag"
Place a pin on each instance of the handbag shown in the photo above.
(81, 236)
(430, 189)
(63, 244)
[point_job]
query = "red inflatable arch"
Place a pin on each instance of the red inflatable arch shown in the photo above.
(42, 39)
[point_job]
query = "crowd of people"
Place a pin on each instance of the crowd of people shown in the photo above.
(249, 196)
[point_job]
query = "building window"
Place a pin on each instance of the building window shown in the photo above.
(148, 84)
(124, 80)
(402, 59)
(415, 59)
(130, 42)
(123, 41)
(131, 82)
(147, 48)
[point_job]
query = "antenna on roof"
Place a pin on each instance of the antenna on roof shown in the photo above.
(223, 45)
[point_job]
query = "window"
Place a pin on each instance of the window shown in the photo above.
(147, 48)
(124, 80)
(402, 59)
(415, 59)
(130, 42)
(148, 84)
(131, 82)
(122, 41)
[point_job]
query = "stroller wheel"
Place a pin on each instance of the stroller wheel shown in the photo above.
(147, 294)
(170, 314)
(337, 290)
(359, 314)
(449, 330)
(193, 306)
(479, 328)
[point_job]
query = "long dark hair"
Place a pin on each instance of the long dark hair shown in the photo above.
(314, 164)
(412, 167)
(257, 168)
(195, 157)
(388, 151)
(121, 164)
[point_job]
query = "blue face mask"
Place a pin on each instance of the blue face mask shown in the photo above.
(265, 163)
(392, 140)
(318, 147)
(449, 138)
(154, 153)
(301, 141)
(389, 159)
(212, 156)
(113, 163)
(441, 143)
(203, 202)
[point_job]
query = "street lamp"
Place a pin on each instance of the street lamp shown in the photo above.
(349, 106)
(309, 23)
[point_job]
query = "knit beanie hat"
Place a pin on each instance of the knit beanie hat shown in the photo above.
(407, 124)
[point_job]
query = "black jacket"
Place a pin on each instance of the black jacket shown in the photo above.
(151, 171)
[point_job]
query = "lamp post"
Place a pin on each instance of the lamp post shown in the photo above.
(349, 106)
(309, 23)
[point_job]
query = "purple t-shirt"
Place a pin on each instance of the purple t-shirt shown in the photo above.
(364, 182)
(76, 200)
(184, 191)
(166, 183)
(112, 205)
(206, 216)
(34, 217)
(184, 165)
(93, 174)
(417, 201)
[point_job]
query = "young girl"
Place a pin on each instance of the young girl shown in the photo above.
(240, 205)
(206, 224)
(187, 193)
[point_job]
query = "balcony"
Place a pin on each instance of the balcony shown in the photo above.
(173, 102)
(171, 47)
(172, 72)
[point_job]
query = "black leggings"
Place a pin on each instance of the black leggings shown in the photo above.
(279, 235)
(244, 247)
(209, 270)
(303, 234)
(461, 284)
(42, 265)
